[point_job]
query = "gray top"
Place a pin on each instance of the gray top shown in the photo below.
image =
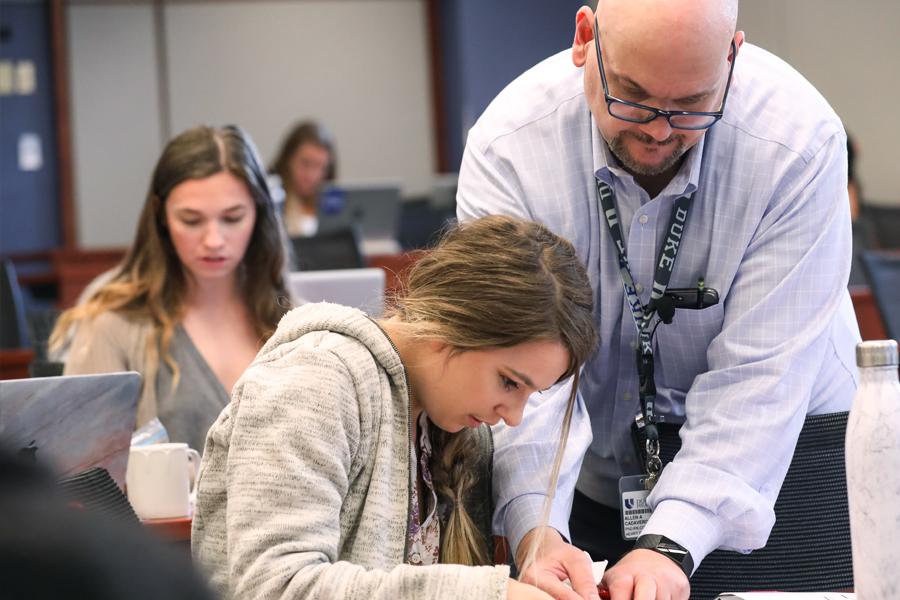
(304, 489)
(199, 398)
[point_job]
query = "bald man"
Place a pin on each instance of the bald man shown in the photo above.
(674, 156)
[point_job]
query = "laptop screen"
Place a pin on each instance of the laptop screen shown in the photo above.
(358, 288)
(72, 423)
(325, 251)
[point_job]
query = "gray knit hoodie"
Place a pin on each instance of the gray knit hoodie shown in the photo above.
(304, 488)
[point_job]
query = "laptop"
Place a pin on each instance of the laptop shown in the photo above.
(71, 423)
(372, 209)
(358, 288)
(336, 249)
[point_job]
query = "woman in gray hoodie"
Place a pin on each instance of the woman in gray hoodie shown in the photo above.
(354, 459)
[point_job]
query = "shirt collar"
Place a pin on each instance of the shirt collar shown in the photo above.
(606, 167)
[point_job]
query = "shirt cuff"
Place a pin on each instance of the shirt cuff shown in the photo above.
(689, 525)
(524, 514)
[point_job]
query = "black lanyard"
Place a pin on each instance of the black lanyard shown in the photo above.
(641, 314)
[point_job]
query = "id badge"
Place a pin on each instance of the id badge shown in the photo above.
(635, 511)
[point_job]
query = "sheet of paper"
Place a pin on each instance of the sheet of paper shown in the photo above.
(598, 568)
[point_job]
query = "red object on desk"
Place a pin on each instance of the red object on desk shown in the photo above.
(173, 530)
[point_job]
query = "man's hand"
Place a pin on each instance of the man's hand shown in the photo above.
(646, 575)
(557, 561)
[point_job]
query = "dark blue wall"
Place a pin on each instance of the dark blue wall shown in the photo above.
(485, 44)
(29, 200)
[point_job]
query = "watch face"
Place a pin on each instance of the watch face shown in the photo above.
(672, 549)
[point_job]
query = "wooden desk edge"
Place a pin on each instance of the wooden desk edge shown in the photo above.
(175, 530)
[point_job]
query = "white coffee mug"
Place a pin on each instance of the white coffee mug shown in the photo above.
(158, 480)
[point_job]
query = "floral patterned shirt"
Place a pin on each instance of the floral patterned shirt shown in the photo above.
(425, 534)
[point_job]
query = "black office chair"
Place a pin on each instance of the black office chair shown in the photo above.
(337, 249)
(809, 547)
(12, 309)
(884, 278)
(40, 326)
(421, 224)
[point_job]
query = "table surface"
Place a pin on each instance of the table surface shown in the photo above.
(173, 530)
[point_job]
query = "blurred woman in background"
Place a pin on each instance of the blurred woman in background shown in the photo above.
(306, 159)
(199, 292)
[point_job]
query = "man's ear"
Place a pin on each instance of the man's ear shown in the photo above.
(738, 42)
(584, 36)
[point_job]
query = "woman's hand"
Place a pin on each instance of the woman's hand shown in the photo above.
(558, 561)
(523, 591)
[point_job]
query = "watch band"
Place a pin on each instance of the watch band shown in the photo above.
(665, 546)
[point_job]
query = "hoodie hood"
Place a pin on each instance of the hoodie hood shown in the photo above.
(334, 318)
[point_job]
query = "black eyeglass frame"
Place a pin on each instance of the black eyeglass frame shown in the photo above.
(668, 114)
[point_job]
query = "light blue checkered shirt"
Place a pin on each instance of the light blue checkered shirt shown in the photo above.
(769, 230)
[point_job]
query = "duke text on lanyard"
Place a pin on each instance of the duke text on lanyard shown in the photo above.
(643, 315)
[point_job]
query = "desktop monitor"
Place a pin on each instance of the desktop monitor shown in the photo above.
(372, 209)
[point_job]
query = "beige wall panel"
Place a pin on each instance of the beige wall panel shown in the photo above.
(361, 67)
(115, 118)
(763, 23)
(848, 51)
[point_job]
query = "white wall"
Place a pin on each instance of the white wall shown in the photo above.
(848, 50)
(115, 118)
(360, 66)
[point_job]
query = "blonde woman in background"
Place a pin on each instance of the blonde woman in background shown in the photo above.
(306, 159)
(199, 291)
(354, 459)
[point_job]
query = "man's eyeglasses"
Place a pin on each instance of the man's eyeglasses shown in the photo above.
(678, 119)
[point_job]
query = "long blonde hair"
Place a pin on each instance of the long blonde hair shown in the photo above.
(495, 282)
(149, 284)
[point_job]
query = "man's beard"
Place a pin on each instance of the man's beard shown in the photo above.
(620, 150)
